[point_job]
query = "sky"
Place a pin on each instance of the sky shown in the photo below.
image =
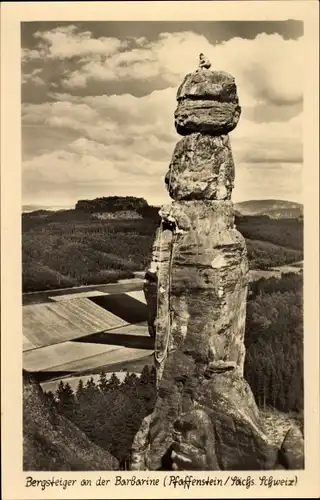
(98, 101)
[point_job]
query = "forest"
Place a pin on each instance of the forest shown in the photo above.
(109, 412)
(274, 342)
(75, 247)
(273, 368)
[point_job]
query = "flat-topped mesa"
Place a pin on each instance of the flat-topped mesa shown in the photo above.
(207, 103)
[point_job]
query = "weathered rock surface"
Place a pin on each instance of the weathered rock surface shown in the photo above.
(211, 423)
(51, 442)
(207, 103)
(206, 419)
(211, 85)
(208, 282)
(206, 116)
(291, 454)
(201, 168)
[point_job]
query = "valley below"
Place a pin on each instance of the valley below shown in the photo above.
(86, 338)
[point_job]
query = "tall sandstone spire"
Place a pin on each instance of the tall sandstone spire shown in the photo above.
(205, 417)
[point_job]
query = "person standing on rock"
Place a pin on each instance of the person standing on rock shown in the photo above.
(204, 62)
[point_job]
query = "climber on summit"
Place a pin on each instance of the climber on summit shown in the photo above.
(204, 62)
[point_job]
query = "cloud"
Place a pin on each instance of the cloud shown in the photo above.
(94, 145)
(87, 168)
(145, 126)
(33, 77)
(67, 42)
(268, 143)
(259, 181)
(124, 145)
(267, 68)
(169, 58)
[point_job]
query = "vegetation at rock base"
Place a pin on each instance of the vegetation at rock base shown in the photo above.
(73, 247)
(85, 246)
(51, 442)
(109, 412)
(273, 368)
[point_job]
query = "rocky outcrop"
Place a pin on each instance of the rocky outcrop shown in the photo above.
(205, 417)
(207, 103)
(201, 168)
(291, 454)
(209, 85)
(51, 442)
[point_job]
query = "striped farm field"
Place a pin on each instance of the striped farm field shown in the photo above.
(126, 365)
(138, 295)
(111, 359)
(53, 356)
(124, 306)
(76, 295)
(115, 355)
(47, 324)
(83, 331)
(26, 344)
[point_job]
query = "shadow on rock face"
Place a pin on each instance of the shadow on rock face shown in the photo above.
(166, 461)
(194, 442)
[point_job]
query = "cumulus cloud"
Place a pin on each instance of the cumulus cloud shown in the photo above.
(124, 139)
(122, 144)
(87, 168)
(261, 181)
(33, 77)
(267, 68)
(145, 125)
(273, 142)
(66, 42)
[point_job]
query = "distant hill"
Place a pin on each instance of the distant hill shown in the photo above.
(275, 209)
(42, 208)
(108, 239)
(131, 207)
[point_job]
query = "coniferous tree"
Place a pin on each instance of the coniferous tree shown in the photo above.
(80, 389)
(274, 343)
(50, 397)
(113, 383)
(103, 382)
(66, 399)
